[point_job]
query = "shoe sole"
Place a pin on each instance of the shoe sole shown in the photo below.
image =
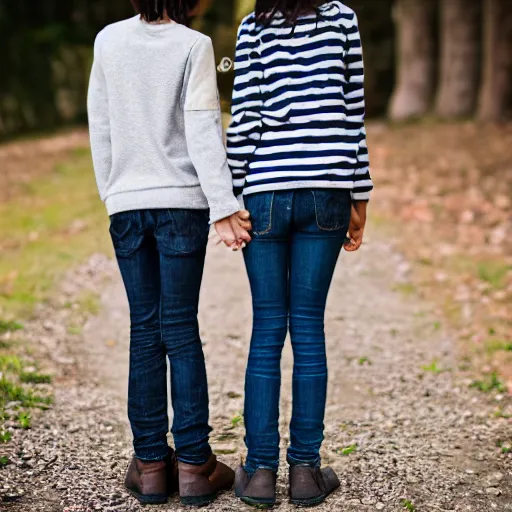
(262, 503)
(312, 502)
(198, 501)
(151, 499)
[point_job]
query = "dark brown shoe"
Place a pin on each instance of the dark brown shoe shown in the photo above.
(311, 486)
(258, 490)
(147, 481)
(173, 484)
(199, 485)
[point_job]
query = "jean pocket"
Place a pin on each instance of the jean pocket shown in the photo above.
(126, 233)
(182, 231)
(260, 207)
(332, 209)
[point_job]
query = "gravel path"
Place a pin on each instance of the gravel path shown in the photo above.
(416, 435)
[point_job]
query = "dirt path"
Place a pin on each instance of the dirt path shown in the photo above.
(416, 435)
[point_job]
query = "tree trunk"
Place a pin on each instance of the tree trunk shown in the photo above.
(416, 59)
(497, 63)
(460, 58)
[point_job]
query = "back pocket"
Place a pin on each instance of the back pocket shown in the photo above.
(126, 232)
(181, 231)
(332, 208)
(260, 207)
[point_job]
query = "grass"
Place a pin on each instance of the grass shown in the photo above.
(236, 421)
(24, 420)
(364, 360)
(347, 450)
(89, 302)
(9, 326)
(433, 367)
(493, 273)
(35, 378)
(4, 461)
(406, 289)
(493, 346)
(408, 505)
(5, 437)
(58, 222)
(50, 225)
(490, 383)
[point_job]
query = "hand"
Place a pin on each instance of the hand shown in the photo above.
(234, 230)
(357, 225)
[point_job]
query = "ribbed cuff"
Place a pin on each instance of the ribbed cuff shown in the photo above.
(360, 196)
(221, 211)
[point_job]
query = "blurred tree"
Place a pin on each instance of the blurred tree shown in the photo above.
(416, 64)
(460, 58)
(496, 88)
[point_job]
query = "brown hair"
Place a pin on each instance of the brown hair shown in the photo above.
(155, 10)
(291, 9)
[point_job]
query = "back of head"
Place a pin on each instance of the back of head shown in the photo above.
(157, 10)
(291, 9)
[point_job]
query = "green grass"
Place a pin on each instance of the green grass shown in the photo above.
(58, 222)
(493, 273)
(35, 378)
(347, 450)
(4, 461)
(9, 326)
(5, 437)
(490, 383)
(10, 363)
(493, 346)
(237, 420)
(364, 360)
(24, 420)
(408, 505)
(433, 367)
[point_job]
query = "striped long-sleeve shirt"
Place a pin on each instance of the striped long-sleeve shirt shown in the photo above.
(298, 105)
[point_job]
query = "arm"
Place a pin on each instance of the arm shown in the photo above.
(354, 97)
(246, 108)
(99, 123)
(203, 126)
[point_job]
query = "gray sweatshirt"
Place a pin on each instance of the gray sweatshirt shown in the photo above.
(155, 122)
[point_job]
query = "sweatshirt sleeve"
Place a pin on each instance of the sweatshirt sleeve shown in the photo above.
(203, 127)
(99, 122)
(354, 97)
(245, 128)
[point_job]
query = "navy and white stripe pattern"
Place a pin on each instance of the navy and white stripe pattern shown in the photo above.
(298, 105)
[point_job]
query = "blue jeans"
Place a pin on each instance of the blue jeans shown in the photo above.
(297, 238)
(161, 257)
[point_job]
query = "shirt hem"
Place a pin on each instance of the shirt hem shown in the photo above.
(190, 198)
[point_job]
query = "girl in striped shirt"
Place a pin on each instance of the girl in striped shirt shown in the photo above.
(298, 154)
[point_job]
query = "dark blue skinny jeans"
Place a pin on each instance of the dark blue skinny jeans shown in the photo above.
(161, 257)
(297, 239)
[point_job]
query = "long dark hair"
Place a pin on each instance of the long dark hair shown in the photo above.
(155, 10)
(291, 9)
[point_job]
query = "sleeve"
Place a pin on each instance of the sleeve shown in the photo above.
(245, 129)
(99, 122)
(355, 101)
(203, 127)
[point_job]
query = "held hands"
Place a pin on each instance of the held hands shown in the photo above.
(234, 230)
(357, 224)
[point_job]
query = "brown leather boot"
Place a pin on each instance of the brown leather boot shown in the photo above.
(173, 484)
(311, 486)
(258, 490)
(199, 485)
(147, 481)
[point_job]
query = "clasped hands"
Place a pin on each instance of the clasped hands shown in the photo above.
(234, 230)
